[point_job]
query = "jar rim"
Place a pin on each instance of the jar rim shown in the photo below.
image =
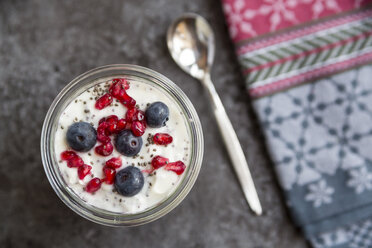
(103, 216)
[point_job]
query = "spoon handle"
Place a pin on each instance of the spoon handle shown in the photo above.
(233, 147)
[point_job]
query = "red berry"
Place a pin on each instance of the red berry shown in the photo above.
(109, 175)
(104, 149)
(102, 133)
(114, 163)
(102, 120)
(93, 185)
(117, 85)
(162, 139)
(103, 101)
(178, 167)
(138, 128)
(124, 83)
(126, 100)
(111, 121)
(115, 89)
(75, 162)
(159, 161)
(118, 90)
(139, 116)
(66, 155)
(83, 171)
(130, 114)
(120, 125)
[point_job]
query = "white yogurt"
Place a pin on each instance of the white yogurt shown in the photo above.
(160, 184)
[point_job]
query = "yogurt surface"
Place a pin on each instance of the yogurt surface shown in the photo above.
(158, 184)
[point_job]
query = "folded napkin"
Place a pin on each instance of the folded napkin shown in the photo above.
(306, 66)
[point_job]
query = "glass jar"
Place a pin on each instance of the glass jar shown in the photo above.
(50, 161)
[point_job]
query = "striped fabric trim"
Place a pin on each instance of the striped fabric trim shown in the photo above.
(284, 64)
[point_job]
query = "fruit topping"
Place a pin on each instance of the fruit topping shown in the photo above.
(67, 155)
(117, 85)
(104, 149)
(130, 114)
(83, 171)
(178, 167)
(109, 175)
(157, 114)
(159, 161)
(127, 143)
(81, 136)
(93, 185)
(120, 125)
(129, 181)
(162, 139)
(114, 163)
(75, 162)
(102, 133)
(112, 122)
(103, 101)
(138, 128)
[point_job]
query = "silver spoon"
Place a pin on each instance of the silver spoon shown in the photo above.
(190, 41)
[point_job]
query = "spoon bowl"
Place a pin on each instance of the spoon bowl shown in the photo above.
(190, 40)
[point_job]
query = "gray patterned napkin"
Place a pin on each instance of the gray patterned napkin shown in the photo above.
(320, 138)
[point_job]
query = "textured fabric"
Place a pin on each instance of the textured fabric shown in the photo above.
(311, 86)
(320, 139)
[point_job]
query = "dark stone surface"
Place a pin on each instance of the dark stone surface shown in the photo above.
(43, 45)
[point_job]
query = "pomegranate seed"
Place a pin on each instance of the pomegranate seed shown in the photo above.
(102, 120)
(139, 116)
(114, 163)
(115, 89)
(67, 155)
(120, 125)
(178, 167)
(117, 85)
(129, 125)
(109, 175)
(138, 128)
(159, 161)
(111, 121)
(130, 114)
(126, 100)
(75, 162)
(83, 171)
(124, 83)
(102, 133)
(104, 149)
(93, 185)
(162, 139)
(103, 101)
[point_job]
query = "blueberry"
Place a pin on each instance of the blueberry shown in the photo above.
(81, 136)
(129, 181)
(128, 144)
(157, 114)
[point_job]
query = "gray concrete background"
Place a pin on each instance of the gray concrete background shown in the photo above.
(45, 44)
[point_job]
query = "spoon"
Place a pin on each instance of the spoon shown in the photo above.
(190, 42)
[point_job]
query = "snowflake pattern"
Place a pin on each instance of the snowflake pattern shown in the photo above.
(247, 18)
(320, 5)
(361, 180)
(278, 10)
(237, 17)
(319, 193)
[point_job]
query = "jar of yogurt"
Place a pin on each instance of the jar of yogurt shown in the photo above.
(122, 145)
